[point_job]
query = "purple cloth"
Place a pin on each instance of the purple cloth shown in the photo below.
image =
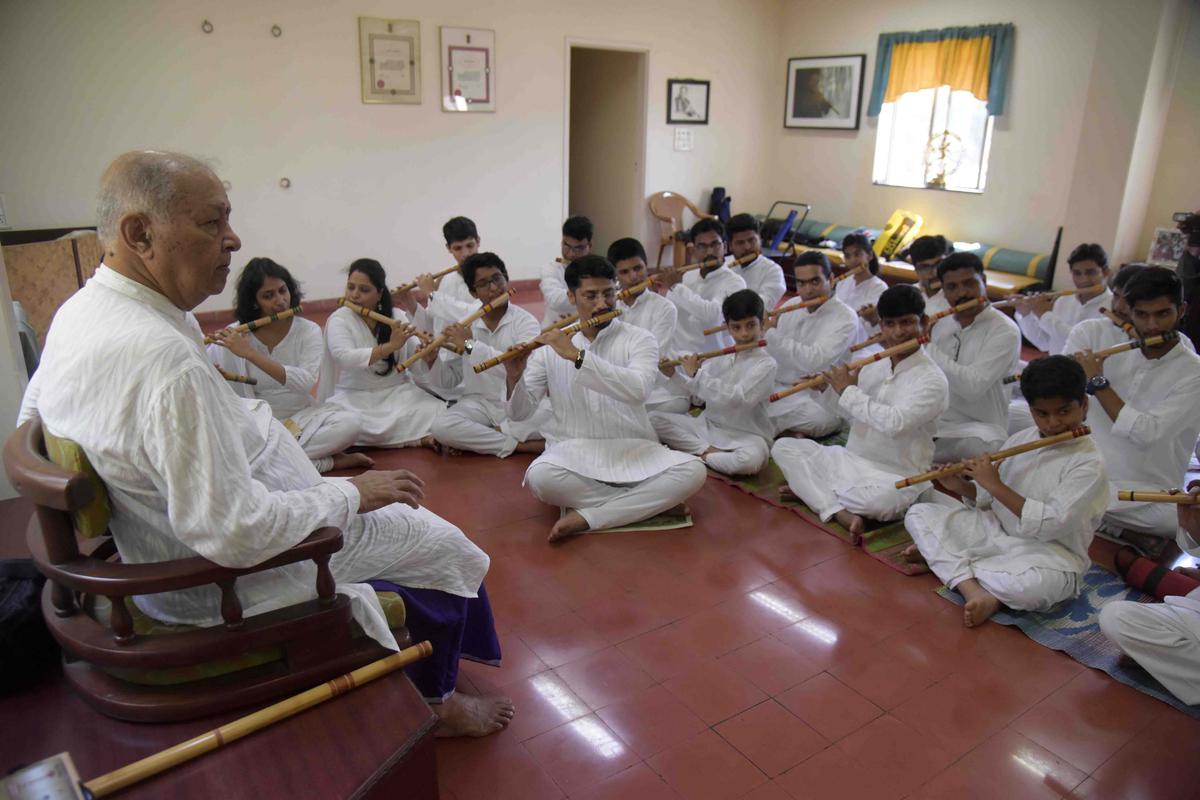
(457, 627)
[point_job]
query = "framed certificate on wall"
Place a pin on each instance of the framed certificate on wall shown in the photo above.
(468, 69)
(390, 52)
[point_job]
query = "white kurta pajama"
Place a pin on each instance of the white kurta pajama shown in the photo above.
(1049, 332)
(451, 302)
(605, 461)
(652, 312)
(1164, 638)
(763, 277)
(856, 295)
(1151, 442)
(1030, 562)
(937, 302)
(478, 422)
(975, 360)
(698, 300)
(735, 391)
(553, 286)
(192, 469)
(804, 343)
(393, 409)
(324, 429)
(893, 419)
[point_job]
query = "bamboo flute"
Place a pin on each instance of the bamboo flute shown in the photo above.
(233, 377)
(839, 278)
(965, 306)
(737, 348)
(999, 455)
(440, 340)
(527, 347)
(865, 343)
(1115, 320)
(817, 380)
(1134, 344)
(1178, 497)
(255, 324)
(567, 320)
(183, 752)
(437, 276)
(815, 302)
(368, 313)
(1087, 290)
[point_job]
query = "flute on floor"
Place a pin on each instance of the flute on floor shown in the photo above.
(138, 771)
(725, 351)
(817, 380)
(437, 276)
(1136, 344)
(441, 339)
(1177, 496)
(255, 324)
(528, 347)
(997, 456)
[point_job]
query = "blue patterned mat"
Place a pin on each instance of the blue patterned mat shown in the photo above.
(1073, 628)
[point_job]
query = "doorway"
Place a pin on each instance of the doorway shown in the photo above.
(606, 140)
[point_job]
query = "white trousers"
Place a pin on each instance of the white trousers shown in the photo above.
(607, 505)
(740, 453)
(1158, 519)
(807, 412)
(1030, 589)
(474, 425)
(832, 479)
(331, 435)
(1160, 637)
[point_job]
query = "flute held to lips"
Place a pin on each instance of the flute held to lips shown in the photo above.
(1135, 344)
(817, 380)
(1176, 496)
(441, 339)
(526, 347)
(255, 324)
(725, 351)
(997, 456)
(437, 276)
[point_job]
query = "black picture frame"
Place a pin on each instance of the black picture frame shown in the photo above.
(811, 78)
(686, 89)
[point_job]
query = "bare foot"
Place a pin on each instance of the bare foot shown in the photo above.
(851, 522)
(430, 442)
(912, 555)
(532, 446)
(572, 524)
(981, 604)
(467, 715)
(786, 493)
(352, 460)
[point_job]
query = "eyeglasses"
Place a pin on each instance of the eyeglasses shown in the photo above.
(575, 249)
(496, 280)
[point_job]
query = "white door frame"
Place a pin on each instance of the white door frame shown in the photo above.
(636, 222)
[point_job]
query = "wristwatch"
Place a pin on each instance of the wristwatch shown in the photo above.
(468, 346)
(1097, 383)
(579, 359)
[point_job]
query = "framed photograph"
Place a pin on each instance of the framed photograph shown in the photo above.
(390, 52)
(687, 102)
(468, 69)
(1167, 247)
(824, 92)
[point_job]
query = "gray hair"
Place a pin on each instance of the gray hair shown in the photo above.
(143, 181)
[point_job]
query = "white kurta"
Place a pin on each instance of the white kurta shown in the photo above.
(325, 429)
(1048, 332)
(698, 300)
(1094, 334)
(893, 418)
(554, 291)
(764, 277)
(976, 360)
(735, 391)
(1163, 637)
(856, 295)
(652, 312)
(393, 409)
(472, 423)
(600, 417)
(805, 343)
(1028, 562)
(936, 303)
(192, 469)
(1151, 442)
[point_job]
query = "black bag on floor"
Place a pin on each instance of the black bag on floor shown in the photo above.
(27, 650)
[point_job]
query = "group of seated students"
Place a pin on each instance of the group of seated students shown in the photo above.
(609, 406)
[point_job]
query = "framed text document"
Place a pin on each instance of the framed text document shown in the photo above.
(390, 51)
(468, 69)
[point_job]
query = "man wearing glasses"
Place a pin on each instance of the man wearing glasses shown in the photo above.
(604, 466)
(698, 294)
(576, 243)
(477, 422)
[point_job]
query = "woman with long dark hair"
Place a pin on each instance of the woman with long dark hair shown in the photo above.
(394, 411)
(287, 358)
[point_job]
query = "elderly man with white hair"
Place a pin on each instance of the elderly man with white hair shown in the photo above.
(192, 469)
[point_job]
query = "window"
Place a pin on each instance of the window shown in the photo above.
(934, 138)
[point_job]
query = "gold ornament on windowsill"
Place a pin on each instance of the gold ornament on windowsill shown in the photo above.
(943, 155)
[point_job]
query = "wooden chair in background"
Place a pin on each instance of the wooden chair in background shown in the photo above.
(668, 208)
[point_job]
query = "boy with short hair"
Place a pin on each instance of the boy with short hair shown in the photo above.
(762, 275)
(1046, 323)
(977, 349)
(576, 243)
(806, 342)
(1102, 332)
(733, 434)
(699, 293)
(477, 422)
(925, 253)
(1020, 536)
(651, 312)
(893, 406)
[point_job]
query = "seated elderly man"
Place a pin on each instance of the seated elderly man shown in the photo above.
(192, 469)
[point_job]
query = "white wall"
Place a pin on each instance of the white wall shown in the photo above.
(85, 80)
